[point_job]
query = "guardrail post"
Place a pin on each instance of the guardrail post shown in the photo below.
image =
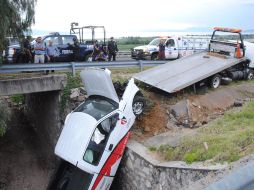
(141, 65)
(73, 69)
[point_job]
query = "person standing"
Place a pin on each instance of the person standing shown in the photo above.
(27, 50)
(39, 51)
(112, 49)
(161, 55)
(51, 51)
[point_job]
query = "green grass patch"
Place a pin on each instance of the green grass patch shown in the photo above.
(72, 82)
(18, 99)
(228, 138)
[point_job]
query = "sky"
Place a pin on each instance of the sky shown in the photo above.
(123, 18)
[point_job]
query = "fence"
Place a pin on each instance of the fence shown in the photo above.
(74, 66)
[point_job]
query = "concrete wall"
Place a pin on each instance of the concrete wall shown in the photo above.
(138, 171)
(43, 113)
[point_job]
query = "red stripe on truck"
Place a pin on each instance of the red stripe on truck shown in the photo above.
(113, 158)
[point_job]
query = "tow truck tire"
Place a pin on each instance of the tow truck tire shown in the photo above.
(154, 56)
(250, 75)
(138, 105)
(215, 81)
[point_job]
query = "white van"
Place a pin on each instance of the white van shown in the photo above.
(175, 47)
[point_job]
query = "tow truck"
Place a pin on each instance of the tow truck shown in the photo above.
(224, 60)
(95, 134)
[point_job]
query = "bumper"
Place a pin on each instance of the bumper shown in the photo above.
(140, 55)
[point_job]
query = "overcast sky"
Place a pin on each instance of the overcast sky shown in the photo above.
(143, 18)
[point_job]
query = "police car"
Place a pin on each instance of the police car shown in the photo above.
(95, 134)
(65, 50)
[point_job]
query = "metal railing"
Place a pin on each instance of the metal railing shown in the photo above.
(74, 66)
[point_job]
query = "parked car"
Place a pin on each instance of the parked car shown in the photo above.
(95, 134)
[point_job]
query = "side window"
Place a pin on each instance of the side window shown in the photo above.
(67, 40)
(54, 39)
(170, 43)
(99, 140)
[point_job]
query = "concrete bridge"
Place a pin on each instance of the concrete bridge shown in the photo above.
(42, 99)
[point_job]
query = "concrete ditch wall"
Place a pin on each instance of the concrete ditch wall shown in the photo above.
(139, 171)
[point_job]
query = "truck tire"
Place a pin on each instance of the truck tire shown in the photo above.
(250, 75)
(88, 57)
(215, 81)
(138, 105)
(154, 56)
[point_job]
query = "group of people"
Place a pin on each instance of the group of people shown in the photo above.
(40, 51)
(101, 53)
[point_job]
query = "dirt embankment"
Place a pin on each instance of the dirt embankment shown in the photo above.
(188, 110)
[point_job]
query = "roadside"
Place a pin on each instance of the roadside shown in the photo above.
(206, 131)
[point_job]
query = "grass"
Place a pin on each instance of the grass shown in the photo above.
(72, 82)
(127, 47)
(18, 98)
(228, 138)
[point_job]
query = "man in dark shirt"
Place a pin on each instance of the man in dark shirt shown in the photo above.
(161, 55)
(112, 49)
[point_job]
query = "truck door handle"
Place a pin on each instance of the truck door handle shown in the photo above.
(110, 147)
(174, 48)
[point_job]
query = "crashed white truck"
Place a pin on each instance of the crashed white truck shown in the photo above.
(94, 136)
(224, 61)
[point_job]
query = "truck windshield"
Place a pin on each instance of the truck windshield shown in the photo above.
(97, 107)
(156, 41)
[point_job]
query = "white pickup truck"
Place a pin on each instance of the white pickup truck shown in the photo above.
(175, 47)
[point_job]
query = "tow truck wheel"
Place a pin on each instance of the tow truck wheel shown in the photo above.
(250, 75)
(215, 81)
(138, 105)
(154, 56)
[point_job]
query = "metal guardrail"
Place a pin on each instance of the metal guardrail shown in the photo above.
(241, 179)
(74, 66)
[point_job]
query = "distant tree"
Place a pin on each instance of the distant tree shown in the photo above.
(16, 18)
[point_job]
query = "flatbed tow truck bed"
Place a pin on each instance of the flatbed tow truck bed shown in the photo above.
(176, 75)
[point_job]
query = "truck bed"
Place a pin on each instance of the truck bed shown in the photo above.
(176, 75)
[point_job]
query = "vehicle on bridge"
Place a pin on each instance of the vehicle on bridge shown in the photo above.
(75, 46)
(95, 134)
(175, 47)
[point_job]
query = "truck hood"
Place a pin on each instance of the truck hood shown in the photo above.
(75, 137)
(146, 48)
(98, 82)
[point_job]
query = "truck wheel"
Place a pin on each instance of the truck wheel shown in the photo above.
(154, 56)
(138, 105)
(250, 75)
(88, 57)
(215, 81)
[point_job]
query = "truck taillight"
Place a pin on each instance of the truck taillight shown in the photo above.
(12, 51)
